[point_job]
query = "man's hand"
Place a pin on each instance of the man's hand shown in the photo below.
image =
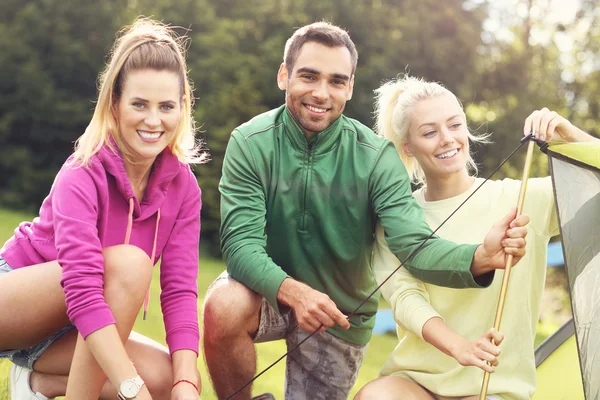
(312, 307)
(480, 352)
(507, 237)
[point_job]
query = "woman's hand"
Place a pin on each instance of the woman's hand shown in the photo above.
(482, 353)
(184, 391)
(188, 383)
(545, 124)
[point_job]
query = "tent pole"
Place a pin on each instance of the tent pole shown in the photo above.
(509, 259)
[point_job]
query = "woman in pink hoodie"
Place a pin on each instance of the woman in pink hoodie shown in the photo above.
(124, 199)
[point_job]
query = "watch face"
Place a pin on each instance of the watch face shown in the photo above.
(129, 389)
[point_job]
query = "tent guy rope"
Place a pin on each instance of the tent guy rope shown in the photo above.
(529, 138)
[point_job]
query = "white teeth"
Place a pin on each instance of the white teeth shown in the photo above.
(147, 135)
(447, 154)
(315, 109)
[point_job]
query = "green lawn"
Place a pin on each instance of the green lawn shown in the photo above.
(377, 350)
(272, 381)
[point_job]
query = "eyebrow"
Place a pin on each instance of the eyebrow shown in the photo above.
(432, 123)
(315, 72)
(146, 101)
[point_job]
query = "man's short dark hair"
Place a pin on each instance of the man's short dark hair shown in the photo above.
(319, 32)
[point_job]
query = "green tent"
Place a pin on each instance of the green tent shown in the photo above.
(557, 363)
(576, 177)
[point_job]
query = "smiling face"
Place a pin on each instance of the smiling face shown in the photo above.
(318, 87)
(148, 112)
(438, 138)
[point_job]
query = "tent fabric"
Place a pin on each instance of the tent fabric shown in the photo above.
(576, 177)
(544, 351)
(558, 372)
(587, 153)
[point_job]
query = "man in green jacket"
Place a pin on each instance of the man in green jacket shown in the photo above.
(301, 191)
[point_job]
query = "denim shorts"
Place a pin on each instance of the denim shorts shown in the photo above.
(26, 357)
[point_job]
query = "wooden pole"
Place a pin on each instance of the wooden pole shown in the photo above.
(509, 259)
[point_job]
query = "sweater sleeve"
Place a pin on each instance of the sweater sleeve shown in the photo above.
(243, 221)
(539, 205)
(438, 261)
(179, 273)
(79, 251)
(406, 294)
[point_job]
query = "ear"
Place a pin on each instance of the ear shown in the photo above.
(350, 88)
(406, 149)
(282, 77)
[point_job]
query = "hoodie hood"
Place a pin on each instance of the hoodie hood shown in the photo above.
(164, 170)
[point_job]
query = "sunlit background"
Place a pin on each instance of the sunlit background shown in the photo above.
(503, 58)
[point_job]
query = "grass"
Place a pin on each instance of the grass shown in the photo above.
(272, 381)
(153, 327)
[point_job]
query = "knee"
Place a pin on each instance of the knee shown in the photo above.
(376, 390)
(230, 309)
(127, 267)
(159, 378)
(365, 393)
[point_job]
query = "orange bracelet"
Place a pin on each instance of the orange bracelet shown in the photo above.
(186, 381)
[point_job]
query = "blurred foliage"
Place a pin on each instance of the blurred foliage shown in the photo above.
(52, 52)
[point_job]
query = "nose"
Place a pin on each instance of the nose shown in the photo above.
(152, 119)
(446, 136)
(321, 91)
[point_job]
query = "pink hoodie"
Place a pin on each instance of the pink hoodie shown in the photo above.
(88, 209)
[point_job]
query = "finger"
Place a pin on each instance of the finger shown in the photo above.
(544, 122)
(516, 252)
(512, 246)
(516, 233)
(552, 127)
(339, 318)
(498, 337)
(484, 355)
(308, 323)
(323, 318)
(527, 127)
(484, 366)
(489, 348)
(537, 124)
(490, 360)
(308, 327)
(521, 220)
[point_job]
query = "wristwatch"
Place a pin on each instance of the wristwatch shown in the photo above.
(130, 388)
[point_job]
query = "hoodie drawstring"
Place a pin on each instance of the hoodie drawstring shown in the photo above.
(129, 221)
(147, 299)
(128, 236)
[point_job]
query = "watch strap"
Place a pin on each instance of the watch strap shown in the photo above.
(137, 380)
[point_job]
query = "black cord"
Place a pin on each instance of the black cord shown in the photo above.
(523, 141)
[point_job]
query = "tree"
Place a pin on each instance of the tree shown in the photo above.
(52, 53)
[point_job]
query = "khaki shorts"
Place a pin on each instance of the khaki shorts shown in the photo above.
(324, 367)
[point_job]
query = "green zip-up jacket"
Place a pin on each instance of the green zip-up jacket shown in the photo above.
(307, 210)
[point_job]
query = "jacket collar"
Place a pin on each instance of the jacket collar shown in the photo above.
(321, 142)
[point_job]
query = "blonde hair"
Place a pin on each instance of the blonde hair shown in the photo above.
(394, 101)
(146, 44)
